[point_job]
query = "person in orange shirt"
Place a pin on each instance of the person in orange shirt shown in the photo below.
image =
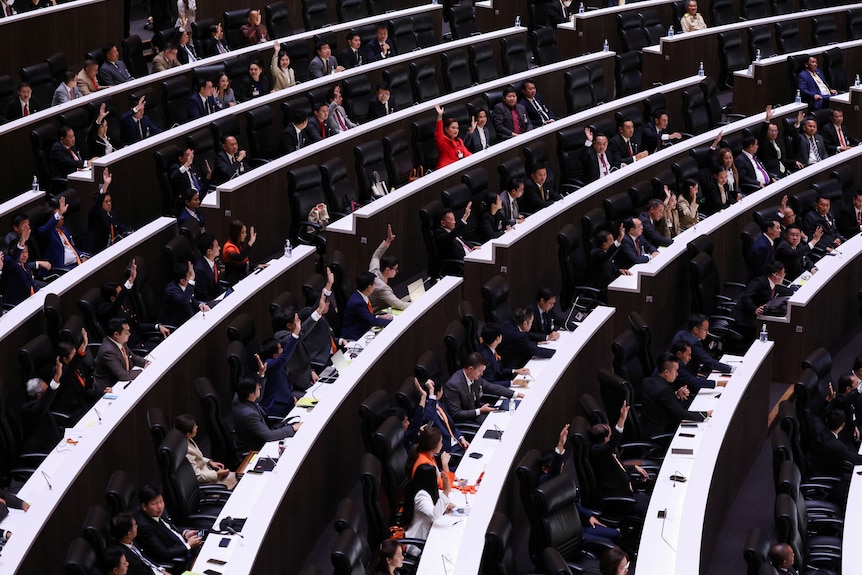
(429, 445)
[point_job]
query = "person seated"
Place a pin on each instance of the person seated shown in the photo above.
(40, 431)
(279, 397)
(535, 106)
(97, 137)
(120, 301)
(509, 197)
(317, 128)
(697, 330)
(255, 84)
(352, 55)
(166, 59)
(235, 255)
(692, 20)
(59, 245)
(465, 388)
(663, 402)
(114, 562)
(249, 418)
(201, 103)
(160, 540)
(835, 134)
(687, 204)
(519, 345)
(323, 63)
(229, 162)
(813, 87)
(850, 216)
(124, 531)
(601, 267)
(545, 319)
(385, 267)
(493, 222)
(76, 394)
(180, 303)
(316, 335)
(429, 446)
(22, 106)
(656, 134)
(113, 71)
(88, 78)
(207, 286)
(387, 560)
(382, 103)
(781, 557)
(64, 158)
(810, 146)
(447, 236)
(105, 226)
(770, 152)
(509, 117)
(435, 415)
(537, 193)
(653, 221)
(424, 502)
(796, 254)
(411, 423)
(843, 395)
(359, 314)
(216, 43)
(682, 352)
(614, 561)
(479, 135)
(186, 51)
(717, 193)
(831, 456)
(762, 250)
(294, 137)
(135, 125)
(622, 148)
(337, 119)
(634, 249)
(821, 217)
(450, 148)
(17, 281)
(114, 361)
(752, 174)
(381, 46)
(67, 91)
(207, 471)
(254, 31)
(492, 336)
(594, 157)
(184, 175)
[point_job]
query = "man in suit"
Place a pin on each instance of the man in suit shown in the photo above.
(180, 303)
(88, 78)
(215, 44)
(822, 217)
(114, 361)
(122, 301)
(558, 12)
(17, 281)
(324, 63)
(184, 176)
(769, 150)
(622, 149)
(509, 117)
(697, 331)
(464, 390)
(751, 172)
(279, 396)
(763, 248)
(317, 128)
(447, 236)
(337, 120)
(166, 59)
(124, 530)
(601, 268)
(850, 217)
(382, 103)
(67, 91)
(517, 347)
(64, 157)
(159, 539)
(7, 8)
(59, 246)
(352, 56)
(380, 47)
(492, 337)
(21, 106)
(813, 87)
(40, 431)
(359, 314)
(435, 414)
(135, 125)
(835, 136)
(595, 160)
(510, 197)
(533, 103)
(544, 318)
(114, 562)
(796, 254)
(249, 418)
(385, 267)
(202, 102)
(681, 351)
(206, 269)
(760, 291)
(293, 137)
(656, 134)
(830, 455)
(634, 248)
(781, 557)
(537, 194)
(810, 147)
(663, 402)
(113, 72)
(651, 219)
(186, 51)
(230, 162)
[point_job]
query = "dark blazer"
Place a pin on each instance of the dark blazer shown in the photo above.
(372, 50)
(206, 288)
(53, 246)
(601, 269)
(510, 213)
(100, 223)
(129, 129)
(252, 429)
(536, 117)
(433, 417)
(808, 88)
(813, 219)
(317, 337)
(182, 181)
(830, 137)
(97, 147)
(41, 433)
(747, 171)
(158, 542)
(495, 372)
(712, 197)
(16, 281)
(61, 161)
(501, 117)
(830, 456)
(612, 479)
(651, 137)
(531, 202)
(517, 348)
(474, 142)
(543, 323)
(662, 411)
(315, 131)
(136, 564)
(358, 319)
(224, 170)
(447, 245)
(461, 404)
(768, 155)
(796, 260)
(114, 74)
(492, 225)
(628, 253)
(179, 305)
(278, 399)
(762, 253)
(291, 140)
(110, 367)
(14, 111)
(350, 59)
(848, 225)
(188, 53)
(72, 398)
(650, 234)
(803, 147)
(316, 68)
(557, 12)
(618, 150)
(195, 107)
(209, 46)
(590, 164)
(701, 361)
(757, 293)
(377, 110)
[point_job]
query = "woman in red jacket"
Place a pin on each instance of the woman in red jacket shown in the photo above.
(450, 147)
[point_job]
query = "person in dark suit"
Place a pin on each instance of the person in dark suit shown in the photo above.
(634, 248)
(682, 352)
(358, 314)
(249, 418)
(843, 395)
(352, 56)
(835, 135)
(324, 63)
(215, 43)
(822, 217)
(381, 46)
(191, 209)
(595, 161)
(124, 530)
(22, 105)
(64, 157)
(180, 304)
(464, 389)
(186, 51)
(279, 396)
(534, 104)
(317, 128)
(612, 476)
(537, 193)
(201, 103)
(697, 331)
(601, 268)
(509, 117)
(830, 455)
(479, 136)
(850, 217)
(781, 557)
(760, 291)
(160, 540)
(810, 147)
(509, 197)
(124, 302)
(76, 394)
(113, 72)
(206, 269)
(663, 402)
(752, 173)
(97, 136)
(105, 226)
(716, 193)
(185, 176)
(114, 361)
(492, 336)
(255, 84)
(229, 162)
(435, 414)
(545, 321)
(796, 254)
(517, 347)
(770, 152)
(622, 148)
(763, 248)
(558, 12)
(59, 245)
(447, 235)
(135, 125)
(656, 134)
(651, 219)
(17, 279)
(293, 137)
(382, 103)
(41, 433)
(813, 87)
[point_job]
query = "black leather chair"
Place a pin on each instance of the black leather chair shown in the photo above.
(731, 56)
(456, 72)
(426, 33)
(756, 550)
(388, 449)
(462, 21)
(158, 426)
(752, 9)
(233, 22)
(632, 35)
(429, 218)
(853, 21)
(370, 159)
(495, 304)
(41, 82)
(627, 72)
(314, 14)
(97, 529)
(277, 20)
(544, 44)
(513, 56)
(399, 160)
(760, 38)
(787, 37)
(573, 269)
(653, 26)
(372, 412)
(305, 191)
(80, 558)
(579, 96)
(824, 30)
(120, 493)
(351, 554)
(722, 12)
(779, 7)
(262, 137)
(222, 445)
(356, 91)
(483, 67)
(833, 66)
(498, 557)
(133, 56)
(423, 80)
(401, 32)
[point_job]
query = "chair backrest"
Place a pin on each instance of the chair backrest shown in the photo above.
(455, 341)
(628, 361)
(558, 516)
(824, 30)
(351, 554)
(357, 91)
(833, 67)
(704, 283)
(133, 56)
(853, 20)
(423, 79)
(158, 425)
(627, 73)
(695, 111)
(97, 528)
(632, 35)
(554, 562)
(787, 37)
(181, 491)
(80, 558)
(262, 137)
(456, 71)
(401, 32)
(222, 445)
(387, 446)
(731, 55)
(579, 96)
(513, 55)
(399, 159)
(653, 26)
(372, 412)
(233, 22)
(314, 14)
(544, 44)
(277, 20)
(340, 191)
(756, 550)
(572, 259)
(753, 9)
(41, 82)
(120, 492)
(483, 66)
(423, 28)
(462, 21)
(779, 7)
(722, 12)
(495, 304)
(377, 506)
(369, 159)
(760, 38)
(400, 87)
(305, 191)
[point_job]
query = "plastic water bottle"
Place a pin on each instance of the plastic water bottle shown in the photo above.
(581, 8)
(606, 47)
(670, 32)
(35, 186)
(517, 21)
(288, 249)
(757, 55)
(857, 83)
(700, 71)
(798, 98)
(764, 335)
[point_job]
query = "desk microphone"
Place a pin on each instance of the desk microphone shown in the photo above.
(663, 516)
(225, 526)
(99, 415)
(445, 570)
(48, 481)
(500, 432)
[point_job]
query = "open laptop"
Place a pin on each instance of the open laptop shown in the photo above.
(339, 364)
(416, 289)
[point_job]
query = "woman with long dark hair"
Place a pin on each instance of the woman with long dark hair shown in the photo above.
(235, 252)
(423, 503)
(388, 559)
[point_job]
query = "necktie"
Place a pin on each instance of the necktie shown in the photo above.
(73, 154)
(326, 67)
(69, 245)
(859, 219)
(322, 130)
(445, 419)
(638, 246)
(146, 561)
(8, 9)
(340, 120)
(629, 146)
(382, 48)
(221, 47)
(332, 343)
(140, 129)
(841, 136)
(759, 166)
(621, 466)
(215, 272)
(26, 110)
(516, 123)
(370, 309)
(605, 171)
(541, 112)
(195, 183)
(125, 357)
(29, 278)
(513, 209)
(813, 144)
(80, 379)
(71, 94)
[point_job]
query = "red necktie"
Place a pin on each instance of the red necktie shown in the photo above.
(72, 153)
(8, 9)
(215, 272)
(26, 110)
(516, 124)
(629, 144)
(605, 171)
(71, 95)
(340, 121)
(322, 130)
(23, 267)
(841, 137)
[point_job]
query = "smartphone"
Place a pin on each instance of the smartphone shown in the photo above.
(686, 435)
(224, 542)
(212, 572)
(216, 561)
(475, 455)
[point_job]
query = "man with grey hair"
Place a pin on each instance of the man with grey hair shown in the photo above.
(41, 433)
(652, 218)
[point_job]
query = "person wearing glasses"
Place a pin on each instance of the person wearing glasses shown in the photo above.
(614, 561)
